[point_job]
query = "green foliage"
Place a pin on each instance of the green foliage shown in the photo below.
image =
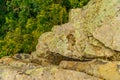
(23, 21)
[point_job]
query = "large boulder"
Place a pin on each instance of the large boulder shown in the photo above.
(92, 31)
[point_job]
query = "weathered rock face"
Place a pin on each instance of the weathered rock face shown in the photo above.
(109, 34)
(108, 31)
(11, 69)
(103, 69)
(14, 69)
(91, 33)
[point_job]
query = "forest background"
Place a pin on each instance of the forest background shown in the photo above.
(23, 21)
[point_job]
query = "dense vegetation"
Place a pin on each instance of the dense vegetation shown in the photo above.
(23, 21)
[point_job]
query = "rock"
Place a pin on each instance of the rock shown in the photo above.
(68, 50)
(109, 35)
(17, 63)
(92, 31)
(60, 74)
(22, 56)
(99, 68)
(108, 31)
(10, 69)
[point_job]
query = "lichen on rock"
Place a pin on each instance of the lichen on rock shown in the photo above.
(92, 31)
(85, 48)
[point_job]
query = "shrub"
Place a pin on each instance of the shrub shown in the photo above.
(25, 20)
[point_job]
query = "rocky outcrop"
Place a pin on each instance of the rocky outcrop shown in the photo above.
(85, 48)
(12, 69)
(15, 69)
(92, 31)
